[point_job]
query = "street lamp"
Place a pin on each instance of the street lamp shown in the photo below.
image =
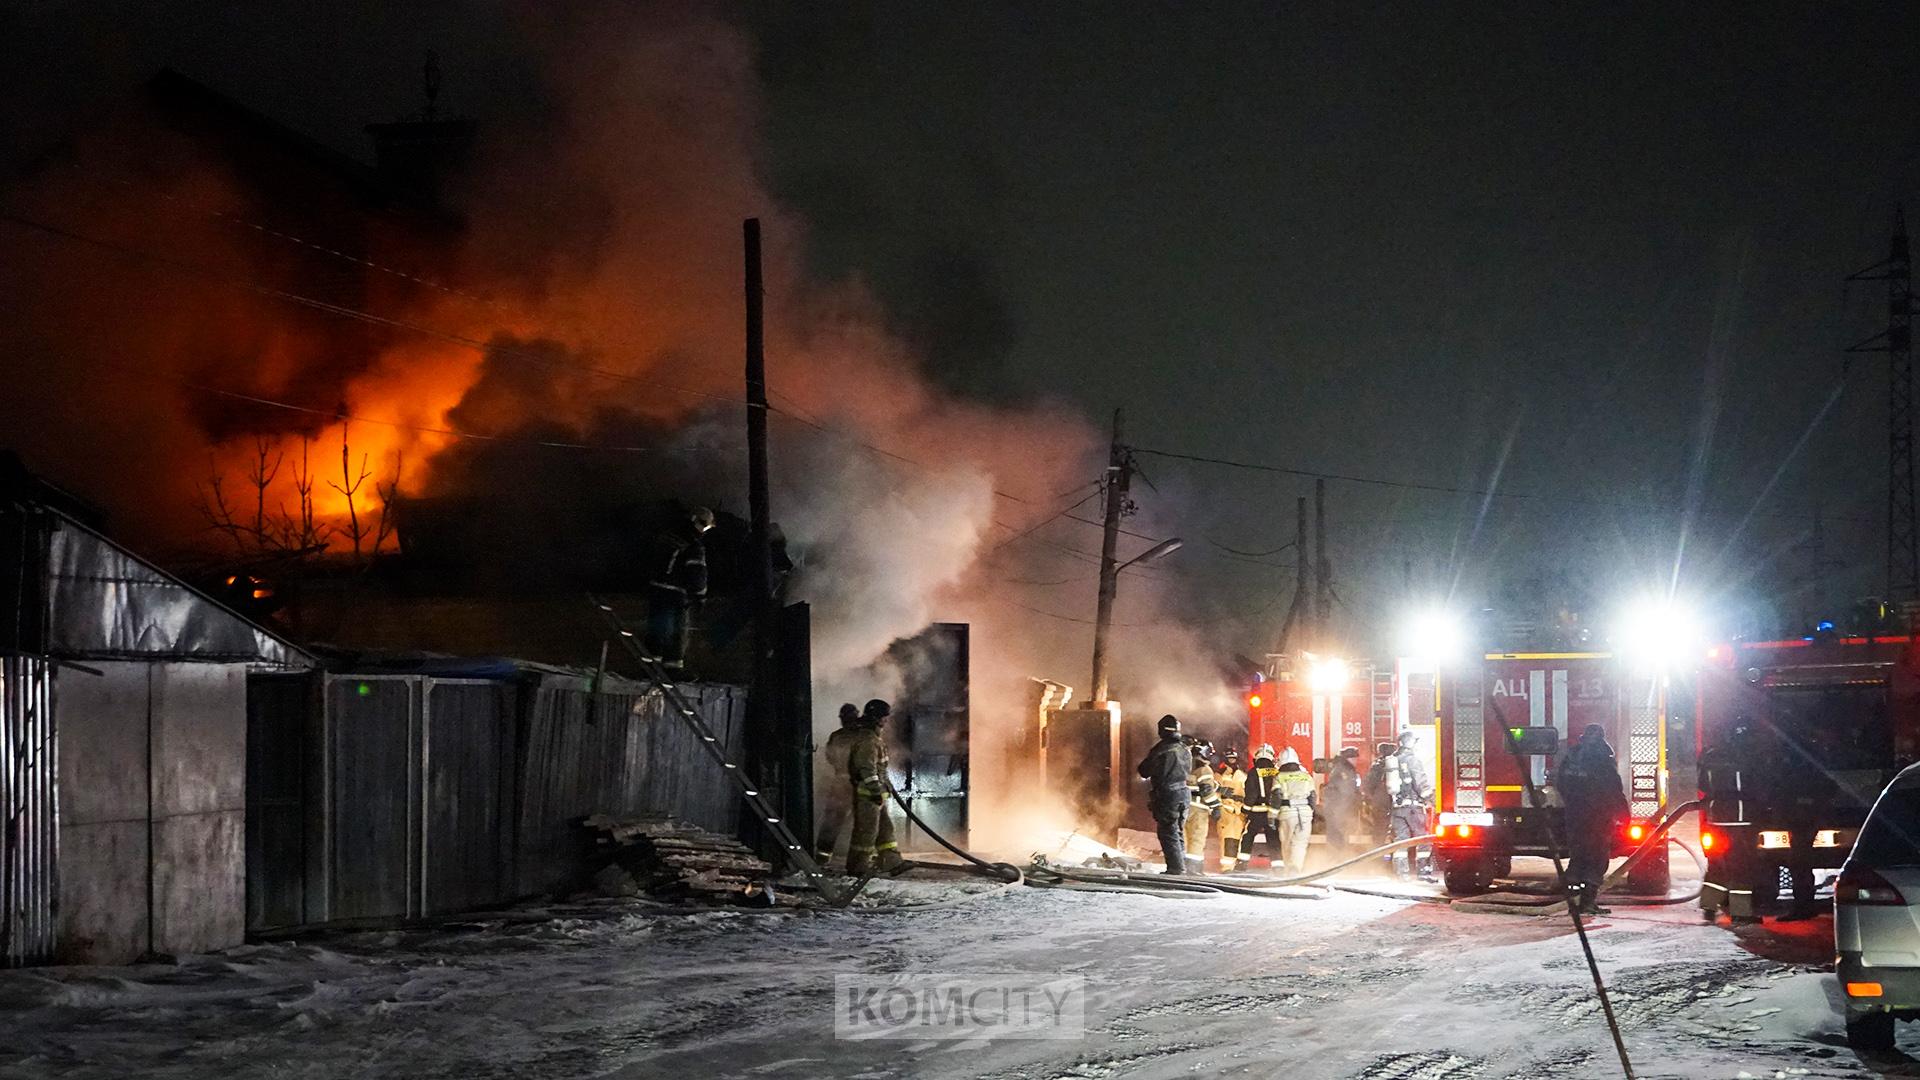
(1103, 617)
(1159, 550)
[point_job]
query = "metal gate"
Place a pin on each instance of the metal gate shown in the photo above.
(29, 833)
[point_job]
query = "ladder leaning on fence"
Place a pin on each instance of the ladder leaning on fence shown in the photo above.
(797, 856)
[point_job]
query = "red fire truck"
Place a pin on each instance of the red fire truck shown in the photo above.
(1482, 710)
(1319, 706)
(1826, 718)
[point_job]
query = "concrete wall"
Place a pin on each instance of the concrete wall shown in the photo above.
(152, 775)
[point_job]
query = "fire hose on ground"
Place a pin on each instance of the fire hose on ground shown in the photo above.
(1548, 903)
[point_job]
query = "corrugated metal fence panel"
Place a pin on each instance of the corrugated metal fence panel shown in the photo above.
(373, 752)
(620, 754)
(29, 831)
(681, 780)
(469, 756)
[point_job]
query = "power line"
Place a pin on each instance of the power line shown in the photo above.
(228, 217)
(1409, 485)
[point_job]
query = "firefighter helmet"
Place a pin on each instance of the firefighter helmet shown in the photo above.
(1265, 752)
(849, 713)
(1407, 738)
(876, 711)
(1169, 725)
(1287, 756)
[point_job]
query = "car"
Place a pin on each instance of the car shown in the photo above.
(1876, 917)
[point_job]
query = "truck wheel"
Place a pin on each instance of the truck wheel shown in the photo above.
(1651, 876)
(1870, 1030)
(1503, 866)
(1468, 877)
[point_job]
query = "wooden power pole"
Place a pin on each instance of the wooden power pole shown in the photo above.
(763, 749)
(1119, 477)
(1323, 567)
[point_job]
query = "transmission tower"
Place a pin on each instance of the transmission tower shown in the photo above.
(1903, 535)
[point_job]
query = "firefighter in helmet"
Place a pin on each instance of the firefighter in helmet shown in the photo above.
(1410, 791)
(1588, 780)
(1340, 802)
(1292, 798)
(1233, 818)
(676, 585)
(835, 804)
(1375, 804)
(1203, 788)
(872, 840)
(1258, 806)
(1166, 768)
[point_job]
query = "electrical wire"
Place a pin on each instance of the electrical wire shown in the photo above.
(1443, 489)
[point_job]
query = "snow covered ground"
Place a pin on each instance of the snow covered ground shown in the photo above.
(1349, 986)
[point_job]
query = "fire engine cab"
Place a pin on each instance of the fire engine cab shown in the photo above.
(1796, 739)
(1501, 722)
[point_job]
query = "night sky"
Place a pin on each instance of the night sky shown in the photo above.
(1592, 253)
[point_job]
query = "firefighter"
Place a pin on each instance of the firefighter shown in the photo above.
(1410, 792)
(1203, 792)
(872, 840)
(1374, 800)
(1340, 802)
(1292, 798)
(1588, 780)
(835, 806)
(1258, 806)
(676, 585)
(1166, 768)
(1233, 818)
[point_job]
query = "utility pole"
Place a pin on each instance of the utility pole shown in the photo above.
(1323, 585)
(763, 742)
(1119, 477)
(1903, 535)
(1300, 612)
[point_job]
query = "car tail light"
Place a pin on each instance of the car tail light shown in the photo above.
(1863, 989)
(1636, 832)
(1463, 831)
(1859, 885)
(1708, 841)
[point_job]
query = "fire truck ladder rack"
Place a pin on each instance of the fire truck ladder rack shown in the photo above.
(795, 853)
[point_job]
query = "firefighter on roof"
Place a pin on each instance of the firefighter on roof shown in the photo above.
(872, 840)
(1203, 789)
(835, 802)
(1292, 798)
(1233, 818)
(1260, 796)
(676, 584)
(1166, 768)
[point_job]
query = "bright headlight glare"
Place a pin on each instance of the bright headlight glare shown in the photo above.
(1328, 674)
(1433, 637)
(1658, 634)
